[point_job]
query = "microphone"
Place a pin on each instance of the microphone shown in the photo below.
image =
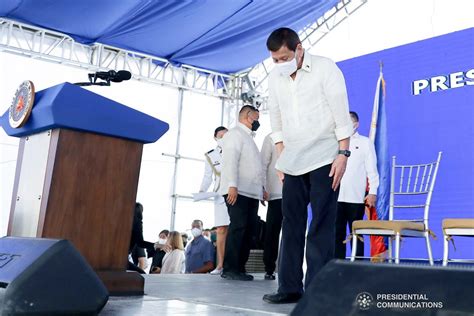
(113, 75)
(107, 76)
(123, 75)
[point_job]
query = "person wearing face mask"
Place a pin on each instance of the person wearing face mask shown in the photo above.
(163, 237)
(242, 188)
(161, 248)
(311, 127)
(212, 173)
(199, 251)
(362, 165)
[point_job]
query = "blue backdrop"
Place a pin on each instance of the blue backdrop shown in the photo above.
(419, 126)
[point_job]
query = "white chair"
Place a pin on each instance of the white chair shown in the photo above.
(455, 227)
(413, 183)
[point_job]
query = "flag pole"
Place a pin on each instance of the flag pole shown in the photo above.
(375, 109)
(378, 247)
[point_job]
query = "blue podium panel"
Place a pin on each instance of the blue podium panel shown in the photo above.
(70, 106)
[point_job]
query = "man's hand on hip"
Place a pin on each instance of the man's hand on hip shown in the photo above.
(337, 170)
(232, 195)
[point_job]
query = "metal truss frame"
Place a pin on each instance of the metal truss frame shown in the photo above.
(35, 42)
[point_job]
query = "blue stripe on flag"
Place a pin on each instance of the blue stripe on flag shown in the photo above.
(383, 158)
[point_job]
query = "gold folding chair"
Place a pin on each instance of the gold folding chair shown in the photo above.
(406, 180)
(455, 227)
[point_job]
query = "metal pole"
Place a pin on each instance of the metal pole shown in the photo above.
(176, 159)
(237, 109)
(222, 111)
(183, 157)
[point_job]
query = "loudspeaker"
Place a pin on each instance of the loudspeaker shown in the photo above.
(48, 277)
(358, 288)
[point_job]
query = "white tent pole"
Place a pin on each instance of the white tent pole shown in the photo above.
(237, 109)
(176, 159)
(222, 111)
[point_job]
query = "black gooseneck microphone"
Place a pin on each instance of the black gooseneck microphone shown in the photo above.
(107, 76)
(112, 75)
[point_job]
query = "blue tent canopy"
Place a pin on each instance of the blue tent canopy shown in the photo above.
(223, 36)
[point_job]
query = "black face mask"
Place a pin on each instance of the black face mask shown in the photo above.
(255, 125)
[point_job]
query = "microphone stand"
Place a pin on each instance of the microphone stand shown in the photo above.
(84, 84)
(93, 81)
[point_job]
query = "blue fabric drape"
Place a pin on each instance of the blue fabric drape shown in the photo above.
(224, 36)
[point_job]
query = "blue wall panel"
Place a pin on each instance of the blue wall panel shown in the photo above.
(422, 125)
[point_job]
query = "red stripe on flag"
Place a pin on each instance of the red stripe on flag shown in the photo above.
(377, 243)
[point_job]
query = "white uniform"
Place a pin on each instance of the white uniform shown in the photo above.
(361, 165)
(242, 163)
(212, 172)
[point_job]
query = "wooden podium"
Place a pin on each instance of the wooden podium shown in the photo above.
(77, 175)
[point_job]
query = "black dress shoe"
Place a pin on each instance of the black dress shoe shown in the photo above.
(237, 276)
(282, 298)
(247, 276)
(269, 276)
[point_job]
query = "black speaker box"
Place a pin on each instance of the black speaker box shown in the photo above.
(358, 288)
(47, 277)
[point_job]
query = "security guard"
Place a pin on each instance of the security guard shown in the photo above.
(212, 172)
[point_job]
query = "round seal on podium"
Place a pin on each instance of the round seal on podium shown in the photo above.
(22, 104)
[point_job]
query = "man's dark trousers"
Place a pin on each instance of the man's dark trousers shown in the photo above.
(298, 191)
(243, 221)
(272, 235)
(346, 214)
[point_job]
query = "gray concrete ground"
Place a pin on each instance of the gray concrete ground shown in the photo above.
(186, 294)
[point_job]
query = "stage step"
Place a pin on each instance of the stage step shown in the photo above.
(255, 262)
